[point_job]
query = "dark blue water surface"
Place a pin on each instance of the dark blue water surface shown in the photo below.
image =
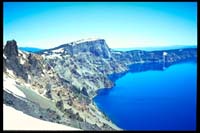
(153, 99)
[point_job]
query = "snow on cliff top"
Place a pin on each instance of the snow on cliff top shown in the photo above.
(85, 40)
(17, 120)
(61, 48)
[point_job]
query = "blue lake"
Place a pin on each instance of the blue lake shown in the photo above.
(153, 99)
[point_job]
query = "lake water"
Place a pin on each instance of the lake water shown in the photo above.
(153, 99)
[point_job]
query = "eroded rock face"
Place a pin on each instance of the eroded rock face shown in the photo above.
(96, 47)
(42, 76)
(11, 49)
(85, 64)
(11, 60)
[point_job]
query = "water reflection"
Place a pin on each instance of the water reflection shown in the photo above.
(140, 67)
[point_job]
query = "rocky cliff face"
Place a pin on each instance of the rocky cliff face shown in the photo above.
(59, 83)
(52, 97)
(85, 64)
(11, 60)
(96, 47)
(169, 56)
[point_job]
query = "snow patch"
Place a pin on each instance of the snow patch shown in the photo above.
(54, 56)
(20, 51)
(27, 85)
(45, 91)
(84, 40)
(58, 50)
(10, 85)
(165, 53)
(29, 77)
(43, 56)
(21, 61)
(17, 120)
(44, 71)
(51, 75)
(10, 72)
(4, 56)
(23, 55)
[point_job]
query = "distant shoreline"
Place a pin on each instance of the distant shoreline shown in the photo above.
(155, 48)
(33, 49)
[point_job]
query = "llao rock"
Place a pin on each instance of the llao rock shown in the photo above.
(97, 47)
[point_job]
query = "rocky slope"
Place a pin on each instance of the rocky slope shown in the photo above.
(59, 83)
(85, 64)
(48, 96)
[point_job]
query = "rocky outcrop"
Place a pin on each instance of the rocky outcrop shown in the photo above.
(10, 49)
(11, 60)
(42, 77)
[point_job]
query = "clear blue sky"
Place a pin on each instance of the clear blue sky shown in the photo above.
(129, 24)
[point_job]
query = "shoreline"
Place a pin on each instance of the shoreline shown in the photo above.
(110, 122)
(117, 77)
(107, 120)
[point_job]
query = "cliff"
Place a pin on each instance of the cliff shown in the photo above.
(58, 84)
